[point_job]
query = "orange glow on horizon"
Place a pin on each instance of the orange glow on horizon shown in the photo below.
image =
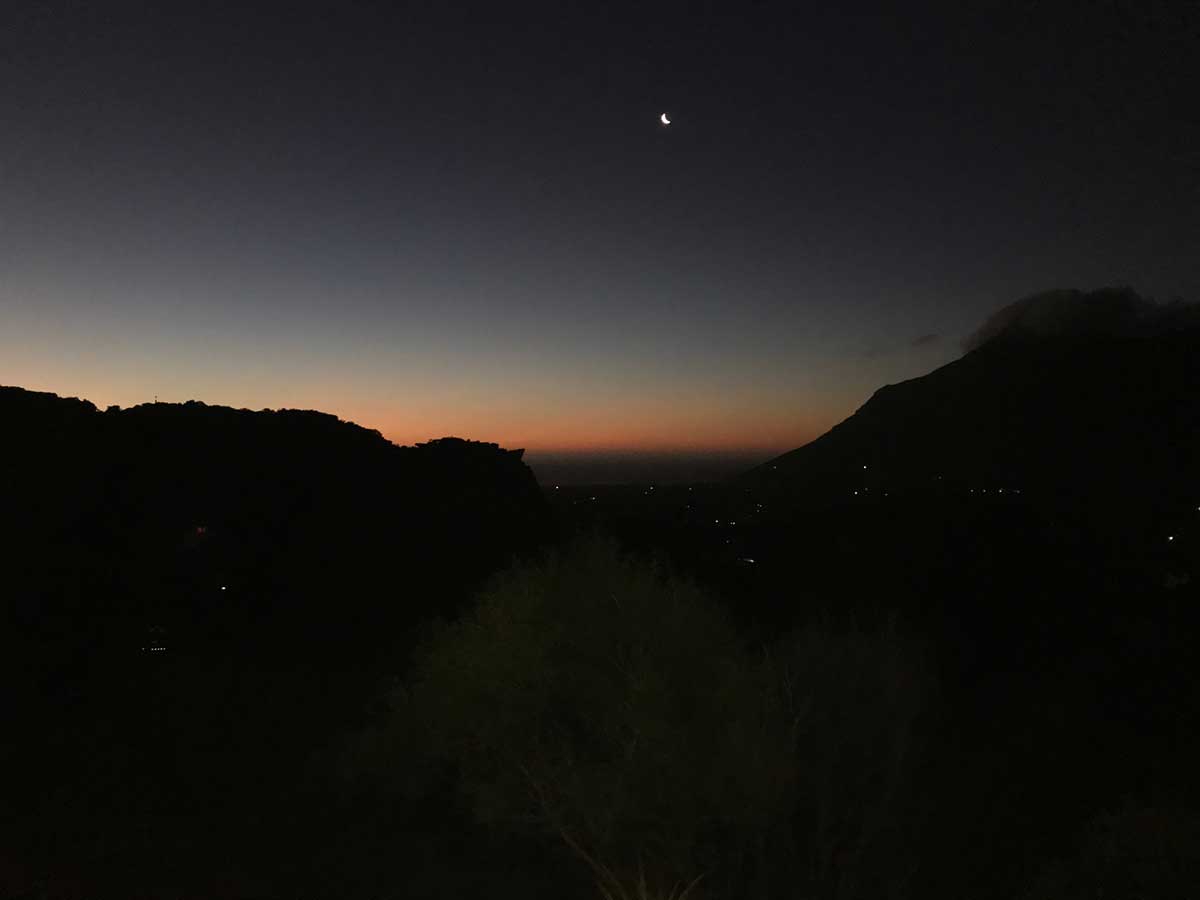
(569, 437)
(617, 428)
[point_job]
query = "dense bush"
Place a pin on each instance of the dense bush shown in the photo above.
(599, 701)
(1147, 852)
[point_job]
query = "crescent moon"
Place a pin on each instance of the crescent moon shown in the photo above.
(663, 118)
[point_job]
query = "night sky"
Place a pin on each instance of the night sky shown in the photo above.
(433, 219)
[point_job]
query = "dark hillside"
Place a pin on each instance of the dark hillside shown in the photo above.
(198, 599)
(1073, 413)
(167, 509)
(1033, 508)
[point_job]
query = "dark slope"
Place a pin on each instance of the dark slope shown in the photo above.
(1061, 613)
(1097, 409)
(197, 602)
(1022, 495)
(161, 505)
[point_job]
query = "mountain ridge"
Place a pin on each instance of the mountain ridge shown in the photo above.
(163, 513)
(1068, 405)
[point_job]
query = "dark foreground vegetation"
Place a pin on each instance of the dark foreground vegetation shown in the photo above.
(949, 650)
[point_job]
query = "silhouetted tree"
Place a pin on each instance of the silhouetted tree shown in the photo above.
(605, 702)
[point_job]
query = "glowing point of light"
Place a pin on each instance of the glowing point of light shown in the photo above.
(222, 587)
(1170, 537)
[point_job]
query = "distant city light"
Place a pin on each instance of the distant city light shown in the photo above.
(1170, 537)
(222, 587)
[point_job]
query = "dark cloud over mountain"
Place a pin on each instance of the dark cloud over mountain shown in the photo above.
(1112, 312)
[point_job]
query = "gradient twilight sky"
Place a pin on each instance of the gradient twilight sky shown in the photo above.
(437, 220)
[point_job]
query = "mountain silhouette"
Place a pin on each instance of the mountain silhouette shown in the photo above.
(197, 601)
(1077, 398)
(163, 503)
(1033, 509)
(268, 541)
